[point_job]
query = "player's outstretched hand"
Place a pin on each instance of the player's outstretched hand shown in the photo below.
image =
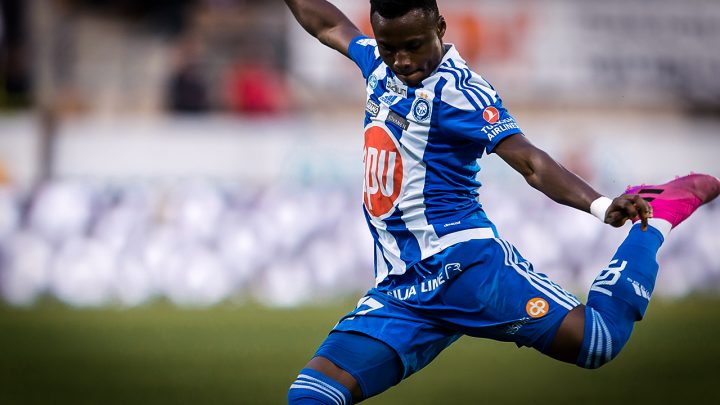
(628, 206)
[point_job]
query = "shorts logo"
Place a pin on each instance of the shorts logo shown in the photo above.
(421, 109)
(537, 307)
(451, 269)
(383, 171)
(491, 115)
(372, 82)
(515, 327)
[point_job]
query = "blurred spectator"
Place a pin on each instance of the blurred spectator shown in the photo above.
(256, 88)
(187, 89)
(14, 66)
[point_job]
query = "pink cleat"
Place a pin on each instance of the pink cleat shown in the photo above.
(676, 200)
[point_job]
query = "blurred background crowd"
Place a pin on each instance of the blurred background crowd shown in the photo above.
(207, 151)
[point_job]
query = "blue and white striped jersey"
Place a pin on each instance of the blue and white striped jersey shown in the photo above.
(422, 146)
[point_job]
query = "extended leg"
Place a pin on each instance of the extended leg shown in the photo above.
(593, 335)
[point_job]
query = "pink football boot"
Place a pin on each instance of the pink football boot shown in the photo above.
(676, 200)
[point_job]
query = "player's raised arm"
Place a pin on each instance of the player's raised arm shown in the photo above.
(563, 186)
(325, 22)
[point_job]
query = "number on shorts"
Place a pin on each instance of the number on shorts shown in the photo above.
(608, 276)
(372, 303)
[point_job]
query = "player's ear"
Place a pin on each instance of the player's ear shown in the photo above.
(441, 26)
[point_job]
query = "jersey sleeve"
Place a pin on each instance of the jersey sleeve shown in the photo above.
(363, 51)
(487, 126)
(472, 110)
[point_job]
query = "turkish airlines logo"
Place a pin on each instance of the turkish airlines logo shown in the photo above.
(383, 171)
(491, 115)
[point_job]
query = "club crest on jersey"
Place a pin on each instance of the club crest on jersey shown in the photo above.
(372, 82)
(383, 171)
(421, 109)
(491, 115)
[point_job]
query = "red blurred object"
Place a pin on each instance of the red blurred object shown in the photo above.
(256, 89)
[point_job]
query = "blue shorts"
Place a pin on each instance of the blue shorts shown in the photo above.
(480, 288)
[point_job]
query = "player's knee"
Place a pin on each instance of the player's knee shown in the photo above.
(604, 339)
(314, 388)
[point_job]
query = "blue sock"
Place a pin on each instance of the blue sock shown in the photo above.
(314, 388)
(620, 296)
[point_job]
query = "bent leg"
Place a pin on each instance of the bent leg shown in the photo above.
(592, 335)
(361, 365)
(591, 338)
(569, 337)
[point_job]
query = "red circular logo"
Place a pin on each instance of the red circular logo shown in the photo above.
(491, 115)
(383, 171)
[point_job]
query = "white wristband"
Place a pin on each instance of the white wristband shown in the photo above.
(599, 207)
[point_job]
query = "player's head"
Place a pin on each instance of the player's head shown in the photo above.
(397, 8)
(409, 35)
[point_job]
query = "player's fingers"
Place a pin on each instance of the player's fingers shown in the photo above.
(644, 207)
(644, 210)
(629, 208)
(643, 222)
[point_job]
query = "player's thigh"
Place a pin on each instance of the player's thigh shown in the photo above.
(337, 374)
(500, 296)
(568, 340)
(413, 338)
(364, 364)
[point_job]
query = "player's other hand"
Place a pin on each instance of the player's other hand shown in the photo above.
(628, 206)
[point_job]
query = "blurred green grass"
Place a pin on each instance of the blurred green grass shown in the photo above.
(249, 355)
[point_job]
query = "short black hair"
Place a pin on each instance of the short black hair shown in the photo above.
(397, 8)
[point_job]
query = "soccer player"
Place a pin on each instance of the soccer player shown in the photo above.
(442, 270)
